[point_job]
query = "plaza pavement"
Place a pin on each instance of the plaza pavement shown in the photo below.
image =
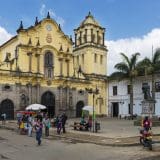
(114, 132)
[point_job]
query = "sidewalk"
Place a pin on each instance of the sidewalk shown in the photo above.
(114, 132)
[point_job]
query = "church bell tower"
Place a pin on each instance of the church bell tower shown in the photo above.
(90, 52)
(90, 56)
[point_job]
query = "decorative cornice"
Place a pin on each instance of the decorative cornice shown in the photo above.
(90, 45)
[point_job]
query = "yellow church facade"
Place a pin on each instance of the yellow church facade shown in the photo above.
(43, 65)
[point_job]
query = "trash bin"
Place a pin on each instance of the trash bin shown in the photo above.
(97, 126)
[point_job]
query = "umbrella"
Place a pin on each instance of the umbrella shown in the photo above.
(35, 107)
(88, 108)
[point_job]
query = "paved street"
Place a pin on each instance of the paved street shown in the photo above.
(18, 147)
(114, 132)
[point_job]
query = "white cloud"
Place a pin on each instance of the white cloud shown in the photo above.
(4, 35)
(60, 21)
(43, 12)
(129, 46)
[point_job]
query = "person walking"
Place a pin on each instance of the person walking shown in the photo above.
(47, 125)
(38, 128)
(29, 124)
(3, 116)
(64, 119)
(59, 124)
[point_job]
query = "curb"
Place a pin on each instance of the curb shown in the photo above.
(98, 143)
(79, 140)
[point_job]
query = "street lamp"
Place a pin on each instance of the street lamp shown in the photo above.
(94, 92)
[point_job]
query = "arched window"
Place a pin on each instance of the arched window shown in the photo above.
(48, 59)
(48, 64)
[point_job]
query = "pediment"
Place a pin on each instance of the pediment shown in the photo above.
(45, 32)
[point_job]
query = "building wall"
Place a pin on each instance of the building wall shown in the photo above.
(24, 76)
(122, 97)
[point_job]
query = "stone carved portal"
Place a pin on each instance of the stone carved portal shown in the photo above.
(48, 99)
(79, 107)
(7, 107)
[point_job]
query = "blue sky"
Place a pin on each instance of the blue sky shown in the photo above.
(130, 24)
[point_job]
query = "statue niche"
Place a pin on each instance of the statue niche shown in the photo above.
(23, 101)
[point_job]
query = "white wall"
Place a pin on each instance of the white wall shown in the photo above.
(122, 95)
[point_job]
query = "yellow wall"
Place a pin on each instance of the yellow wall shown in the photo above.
(51, 38)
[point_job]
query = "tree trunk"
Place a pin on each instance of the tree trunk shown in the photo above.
(131, 95)
(153, 90)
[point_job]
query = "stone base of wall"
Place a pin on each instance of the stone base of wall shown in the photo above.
(155, 122)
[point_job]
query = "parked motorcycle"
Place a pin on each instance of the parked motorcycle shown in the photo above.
(146, 138)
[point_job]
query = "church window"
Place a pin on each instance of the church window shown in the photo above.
(48, 65)
(48, 59)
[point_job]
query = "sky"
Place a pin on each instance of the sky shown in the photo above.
(131, 25)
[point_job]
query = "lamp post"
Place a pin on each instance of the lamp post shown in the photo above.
(94, 92)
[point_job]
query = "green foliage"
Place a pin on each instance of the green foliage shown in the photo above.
(126, 68)
(149, 66)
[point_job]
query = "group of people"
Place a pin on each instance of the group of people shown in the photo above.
(60, 123)
(87, 124)
(28, 124)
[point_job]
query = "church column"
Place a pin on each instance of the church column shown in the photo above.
(85, 35)
(30, 61)
(80, 38)
(60, 97)
(92, 35)
(61, 66)
(67, 98)
(38, 93)
(97, 37)
(103, 38)
(29, 85)
(75, 40)
(67, 61)
(38, 62)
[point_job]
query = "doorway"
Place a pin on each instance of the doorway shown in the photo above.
(79, 107)
(115, 109)
(48, 100)
(7, 107)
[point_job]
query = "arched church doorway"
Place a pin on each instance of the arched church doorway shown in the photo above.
(7, 107)
(48, 99)
(79, 107)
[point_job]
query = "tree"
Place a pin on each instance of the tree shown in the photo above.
(127, 68)
(150, 67)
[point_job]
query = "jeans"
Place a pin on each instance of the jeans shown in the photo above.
(38, 137)
(30, 131)
(46, 131)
